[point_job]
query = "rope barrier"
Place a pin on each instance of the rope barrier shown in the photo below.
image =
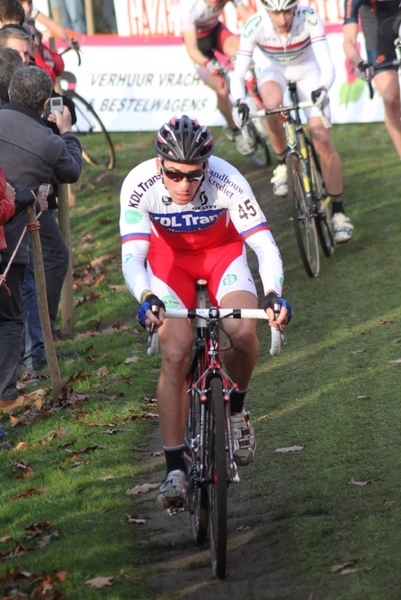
(31, 227)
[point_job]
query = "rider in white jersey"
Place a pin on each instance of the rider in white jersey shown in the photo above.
(203, 34)
(187, 214)
(293, 41)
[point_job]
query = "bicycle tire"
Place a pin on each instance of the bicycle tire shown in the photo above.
(302, 217)
(217, 476)
(323, 221)
(261, 154)
(97, 147)
(197, 492)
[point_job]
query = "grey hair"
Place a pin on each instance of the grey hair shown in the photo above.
(10, 61)
(15, 33)
(30, 86)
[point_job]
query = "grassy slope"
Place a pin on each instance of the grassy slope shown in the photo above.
(338, 351)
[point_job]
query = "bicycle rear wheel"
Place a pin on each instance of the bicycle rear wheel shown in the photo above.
(197, 493)
(217, 475)
(97, 147)
(323, 221)
(261, 154)
(302, 217)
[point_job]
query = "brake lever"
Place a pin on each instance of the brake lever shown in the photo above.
(276, 310)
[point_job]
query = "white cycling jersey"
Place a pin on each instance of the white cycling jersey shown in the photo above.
(303, 53)
(197, 14)
(223, 210)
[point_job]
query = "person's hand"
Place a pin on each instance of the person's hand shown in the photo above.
(9, 191)
(151, 311)
(62, 120)
(364, 70)
(278, 310)
(240, 113)
(214, 66)
(24, 197)
(320, 97)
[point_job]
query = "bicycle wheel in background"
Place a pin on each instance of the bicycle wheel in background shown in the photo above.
(197, 494)
(261, 153)
(323, 221)
(217, 476)
(302, 217)
(97, 147)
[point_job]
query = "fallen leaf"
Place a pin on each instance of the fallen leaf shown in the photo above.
(156, 454)
(107, 477)
(397, 360)
(142, 488)
(132, 359)
(290, 449)
(5, 538)
(131, 519)
(385, 321)
(363, 397)
(360, 483)
(100, 581)
(357, 351)
(344, 568)
(102, 371)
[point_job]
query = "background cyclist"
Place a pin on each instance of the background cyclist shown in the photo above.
(203, 33)
(380, 23)
(188, 214)
(293, 40)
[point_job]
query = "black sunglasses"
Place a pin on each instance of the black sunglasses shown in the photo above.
(192, 176)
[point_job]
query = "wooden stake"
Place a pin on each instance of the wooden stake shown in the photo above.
(40, 281)
(67, 298)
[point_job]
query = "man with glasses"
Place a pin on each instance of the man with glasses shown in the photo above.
(187, 214)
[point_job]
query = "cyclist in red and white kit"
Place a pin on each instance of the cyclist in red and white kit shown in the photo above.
(187, 214)
(293, 41)
(380, 25)
(203, 33)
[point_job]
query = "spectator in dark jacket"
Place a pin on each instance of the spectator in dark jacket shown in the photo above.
(31, 155)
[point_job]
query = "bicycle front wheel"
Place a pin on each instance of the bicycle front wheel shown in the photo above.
(97, 147)
(217, 476)
(197, 493)
(323, 221)
(302, 216)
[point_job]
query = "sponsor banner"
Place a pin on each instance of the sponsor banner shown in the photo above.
(136, 84)
(159, 18)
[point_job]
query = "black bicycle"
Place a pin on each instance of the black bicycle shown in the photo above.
(309, 203)
(209, 438)
(97, 146)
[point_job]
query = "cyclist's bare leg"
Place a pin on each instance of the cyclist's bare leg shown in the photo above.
(175, 337)
(329, 158)
(272, 97)
(388, 85)
(223, 97)
(240, 360)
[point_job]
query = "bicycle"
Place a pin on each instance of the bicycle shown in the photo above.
(309, 204)
(97, 147)
(253, 133)
(209, 442)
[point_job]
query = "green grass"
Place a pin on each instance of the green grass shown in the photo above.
(332, 389)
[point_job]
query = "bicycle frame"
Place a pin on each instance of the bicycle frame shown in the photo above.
(206, 364)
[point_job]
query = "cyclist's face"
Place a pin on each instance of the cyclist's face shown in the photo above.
(216, 3)
(282, 19)
(181, 192)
